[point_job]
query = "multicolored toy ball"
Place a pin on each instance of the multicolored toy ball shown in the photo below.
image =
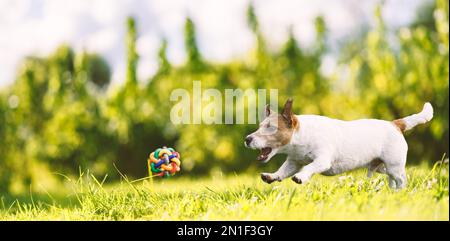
(164, 162)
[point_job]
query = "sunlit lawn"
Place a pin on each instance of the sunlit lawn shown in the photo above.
(241, 197)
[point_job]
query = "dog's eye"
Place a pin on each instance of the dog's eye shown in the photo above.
(271, 128)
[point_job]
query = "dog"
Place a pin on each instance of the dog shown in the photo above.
(320, 145)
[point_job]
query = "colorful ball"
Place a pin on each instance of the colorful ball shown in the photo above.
(164, 162)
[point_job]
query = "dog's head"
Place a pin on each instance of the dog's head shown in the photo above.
(274, 132)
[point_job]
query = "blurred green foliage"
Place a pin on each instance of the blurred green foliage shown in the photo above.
(60, 116)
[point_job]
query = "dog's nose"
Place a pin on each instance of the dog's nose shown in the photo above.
(248, 139)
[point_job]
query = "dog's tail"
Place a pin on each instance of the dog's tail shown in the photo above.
(411, 121)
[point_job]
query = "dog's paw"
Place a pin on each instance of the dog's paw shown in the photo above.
(297, 180)
(268, 178)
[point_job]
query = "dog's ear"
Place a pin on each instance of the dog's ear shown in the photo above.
(267, 111)
(287, 112)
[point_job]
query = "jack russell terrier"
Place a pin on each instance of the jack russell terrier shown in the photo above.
(318, 144)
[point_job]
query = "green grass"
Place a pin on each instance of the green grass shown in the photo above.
(350, 196)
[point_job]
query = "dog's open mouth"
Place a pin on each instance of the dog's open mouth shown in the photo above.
(264, 154)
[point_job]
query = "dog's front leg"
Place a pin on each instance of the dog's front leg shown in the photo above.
(319, 165)
(289, 168)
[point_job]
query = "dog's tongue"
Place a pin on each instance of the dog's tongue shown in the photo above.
(264, 154)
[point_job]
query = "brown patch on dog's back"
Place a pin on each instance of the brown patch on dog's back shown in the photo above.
(400, 125)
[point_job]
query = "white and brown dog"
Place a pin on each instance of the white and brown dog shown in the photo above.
(318, 144)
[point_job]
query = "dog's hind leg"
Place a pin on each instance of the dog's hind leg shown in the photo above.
(289, 168)
(394, 159)
(397, 176)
